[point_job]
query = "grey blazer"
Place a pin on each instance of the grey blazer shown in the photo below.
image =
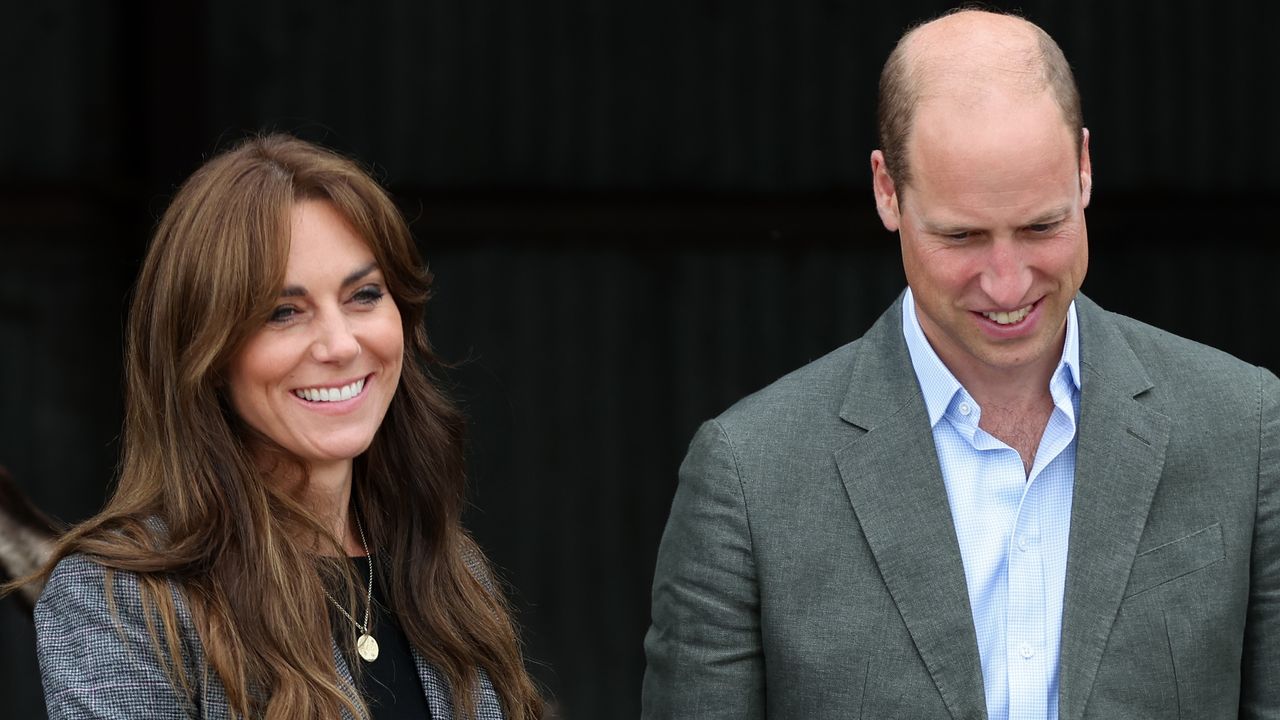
(810, 568)
(94, 669)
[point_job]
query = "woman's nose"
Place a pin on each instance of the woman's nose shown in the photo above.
(335, 342)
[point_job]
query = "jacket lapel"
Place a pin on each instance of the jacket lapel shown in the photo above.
(892, 476)
(440, 699)
(1120, 453)
(344, 673)
(435, 687)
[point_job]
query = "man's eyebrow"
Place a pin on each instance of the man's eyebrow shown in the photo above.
(943, 228)
(352, 278)
(946, 228)
(1051, 216)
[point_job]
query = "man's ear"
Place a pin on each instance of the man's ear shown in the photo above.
(1086, 170)
(886, 192)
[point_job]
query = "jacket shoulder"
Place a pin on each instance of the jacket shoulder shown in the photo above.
(796, 406)
(83, 595)
(97, 646)
(1173, 359)
(78, 580)
(1203, 388)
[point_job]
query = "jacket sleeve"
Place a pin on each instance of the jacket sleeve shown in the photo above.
(96, 664)
(704, 650)
(1260, 664)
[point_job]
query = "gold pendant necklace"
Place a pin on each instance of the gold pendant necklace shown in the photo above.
(366, 646)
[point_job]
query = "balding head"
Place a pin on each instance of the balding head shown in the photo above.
(965, 58)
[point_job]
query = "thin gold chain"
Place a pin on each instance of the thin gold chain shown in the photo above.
(369, 599)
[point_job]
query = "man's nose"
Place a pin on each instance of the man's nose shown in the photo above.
(1006, 279)
(335, 342)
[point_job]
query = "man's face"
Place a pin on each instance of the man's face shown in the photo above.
(992, 228)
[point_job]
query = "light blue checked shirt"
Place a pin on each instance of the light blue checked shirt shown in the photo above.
(1012, 527)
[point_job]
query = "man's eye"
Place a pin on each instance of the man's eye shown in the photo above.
(957, 236)
(1042, 228)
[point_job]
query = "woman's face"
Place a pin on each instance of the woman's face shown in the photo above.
(318, 377)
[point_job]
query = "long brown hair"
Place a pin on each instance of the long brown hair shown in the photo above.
(234, 542)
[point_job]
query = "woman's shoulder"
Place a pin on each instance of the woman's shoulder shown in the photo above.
(97, 642)
(79, 576)
(82, 593)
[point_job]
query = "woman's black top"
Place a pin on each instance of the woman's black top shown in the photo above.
(390, 684)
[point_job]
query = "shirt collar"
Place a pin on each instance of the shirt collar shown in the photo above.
(939, 386)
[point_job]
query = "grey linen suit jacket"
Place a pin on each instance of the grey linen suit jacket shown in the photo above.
(810, 567)
(94, 667)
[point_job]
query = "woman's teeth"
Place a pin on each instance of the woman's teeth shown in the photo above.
(1008, 318)
(337, 394)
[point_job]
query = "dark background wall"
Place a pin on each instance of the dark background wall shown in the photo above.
(637, 212)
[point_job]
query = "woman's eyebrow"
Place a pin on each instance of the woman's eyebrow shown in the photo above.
(354, 277)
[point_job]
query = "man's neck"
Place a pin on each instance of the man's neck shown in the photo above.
(1016, 407)
(1007, 387)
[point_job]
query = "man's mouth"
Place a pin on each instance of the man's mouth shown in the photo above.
(331, 394)
(1009, 318)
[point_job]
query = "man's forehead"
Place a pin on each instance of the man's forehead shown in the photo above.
(951, 130)
(1007, 160)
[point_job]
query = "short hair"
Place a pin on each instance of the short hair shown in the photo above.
(900, 85)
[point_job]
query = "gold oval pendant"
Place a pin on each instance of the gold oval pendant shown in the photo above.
(367, 647)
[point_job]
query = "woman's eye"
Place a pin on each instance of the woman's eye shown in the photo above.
(368, 295)
(282, 313)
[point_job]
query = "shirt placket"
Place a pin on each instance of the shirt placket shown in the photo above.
(1025, 614)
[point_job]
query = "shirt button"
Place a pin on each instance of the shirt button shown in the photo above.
(1022, 543)
(1027, 652)
(964, 408)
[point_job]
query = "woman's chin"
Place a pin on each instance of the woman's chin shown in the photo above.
(334, 451)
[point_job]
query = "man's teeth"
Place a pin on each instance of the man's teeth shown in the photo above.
(346, 392)
(1008, 318)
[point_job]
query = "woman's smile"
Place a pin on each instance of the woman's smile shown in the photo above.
(333, 392)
